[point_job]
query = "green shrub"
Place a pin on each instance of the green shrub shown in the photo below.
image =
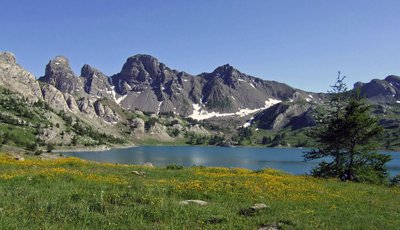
(395, 181)
(174, 167)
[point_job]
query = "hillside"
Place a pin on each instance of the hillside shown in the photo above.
(68, 193)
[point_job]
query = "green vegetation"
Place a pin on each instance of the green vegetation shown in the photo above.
(222, 103)
(345, 133)
(19, 121)
(27, 126)
(74, 194)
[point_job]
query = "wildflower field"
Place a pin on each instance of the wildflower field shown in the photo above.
(69, 193)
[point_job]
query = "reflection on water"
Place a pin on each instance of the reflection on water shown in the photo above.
(288, 159)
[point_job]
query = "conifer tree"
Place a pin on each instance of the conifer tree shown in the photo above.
(345, 134)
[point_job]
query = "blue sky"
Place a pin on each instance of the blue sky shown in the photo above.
(300, 42)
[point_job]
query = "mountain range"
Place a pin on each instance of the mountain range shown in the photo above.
(224, 97)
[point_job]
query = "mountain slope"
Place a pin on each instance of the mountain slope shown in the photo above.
(17, 79)
(147, 99)
(149, 85)
(381, 91)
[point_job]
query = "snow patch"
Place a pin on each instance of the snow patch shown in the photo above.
(308, 99)
(114, 95)
(201, 114)
(233, 98)
(398, 102)
(252, 85)
(111, 123)
(310, 96)
(120, 99)
(241, 80)
(247, 124)
(159, 107)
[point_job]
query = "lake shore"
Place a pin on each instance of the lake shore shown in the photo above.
(100, 148)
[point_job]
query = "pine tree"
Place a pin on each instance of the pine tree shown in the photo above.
(345, 134)
(328, 132)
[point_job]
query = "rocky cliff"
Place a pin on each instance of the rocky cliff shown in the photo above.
(17, 79)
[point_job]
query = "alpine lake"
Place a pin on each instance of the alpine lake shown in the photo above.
(286, 159)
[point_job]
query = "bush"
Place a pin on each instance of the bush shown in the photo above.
(50, 147)
(395, 181)
(370, 175)
(175, 132)
(150, 123)
(174, 167)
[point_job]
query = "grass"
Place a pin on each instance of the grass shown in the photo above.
(69, 193)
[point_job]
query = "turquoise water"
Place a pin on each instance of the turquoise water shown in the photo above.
(286, 159)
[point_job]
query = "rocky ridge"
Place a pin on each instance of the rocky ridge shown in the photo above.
(17, 79)
(148, 85)
(386, 91)
(224, 96)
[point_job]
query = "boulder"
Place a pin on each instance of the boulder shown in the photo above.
(253, 210)
(198, 202)
(19, 158)
(259, 206)
(148, 165)
(270, 227)
(138, 173)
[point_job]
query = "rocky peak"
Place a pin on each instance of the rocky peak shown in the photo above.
(87, 71)
(7, 57)
(59, 67)
(393, 79)
(141, 71)
(60, 61)
(226, 71)
(96, 83)
(381, 91)
(59, 74)
(142, 66)
(16, 78)
(358, 84)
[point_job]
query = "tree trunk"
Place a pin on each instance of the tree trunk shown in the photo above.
(350, 173)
